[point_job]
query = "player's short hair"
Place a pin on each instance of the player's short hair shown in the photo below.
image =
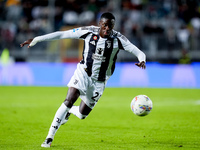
(108, 15)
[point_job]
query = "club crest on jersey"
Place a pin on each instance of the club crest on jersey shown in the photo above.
(99, 51)
(108, 44)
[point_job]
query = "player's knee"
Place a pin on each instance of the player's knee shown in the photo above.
(68, 103)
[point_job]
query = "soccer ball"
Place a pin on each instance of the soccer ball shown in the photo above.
(141, 105)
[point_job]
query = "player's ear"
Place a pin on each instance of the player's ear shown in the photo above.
(100, 22)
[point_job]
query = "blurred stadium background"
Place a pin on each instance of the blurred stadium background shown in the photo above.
(168, 31)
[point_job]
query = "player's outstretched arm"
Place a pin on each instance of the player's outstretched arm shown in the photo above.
(141, 65)
(68, 34)
(26, 42)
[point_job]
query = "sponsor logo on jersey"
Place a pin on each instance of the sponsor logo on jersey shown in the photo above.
(97, 57)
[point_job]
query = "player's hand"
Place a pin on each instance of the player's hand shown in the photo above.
(141, 65)
(26, 42)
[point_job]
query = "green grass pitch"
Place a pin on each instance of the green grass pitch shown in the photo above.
(174, 123)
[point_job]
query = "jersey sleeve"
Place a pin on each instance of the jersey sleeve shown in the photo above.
(76, 33)
(126, 45)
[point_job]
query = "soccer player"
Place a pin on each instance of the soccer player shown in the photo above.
(101, 46)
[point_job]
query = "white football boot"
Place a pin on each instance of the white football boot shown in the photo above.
(47, 142)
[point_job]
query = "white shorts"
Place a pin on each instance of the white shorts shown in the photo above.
(90, 89)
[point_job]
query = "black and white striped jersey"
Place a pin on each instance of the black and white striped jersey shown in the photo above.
(99, 54)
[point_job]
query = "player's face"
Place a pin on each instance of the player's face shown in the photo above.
(106, 26)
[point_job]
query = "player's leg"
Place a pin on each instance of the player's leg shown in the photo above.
(72, 96)
(61, 113)
(80, 111)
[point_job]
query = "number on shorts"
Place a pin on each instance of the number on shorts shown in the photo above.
(96, 96)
